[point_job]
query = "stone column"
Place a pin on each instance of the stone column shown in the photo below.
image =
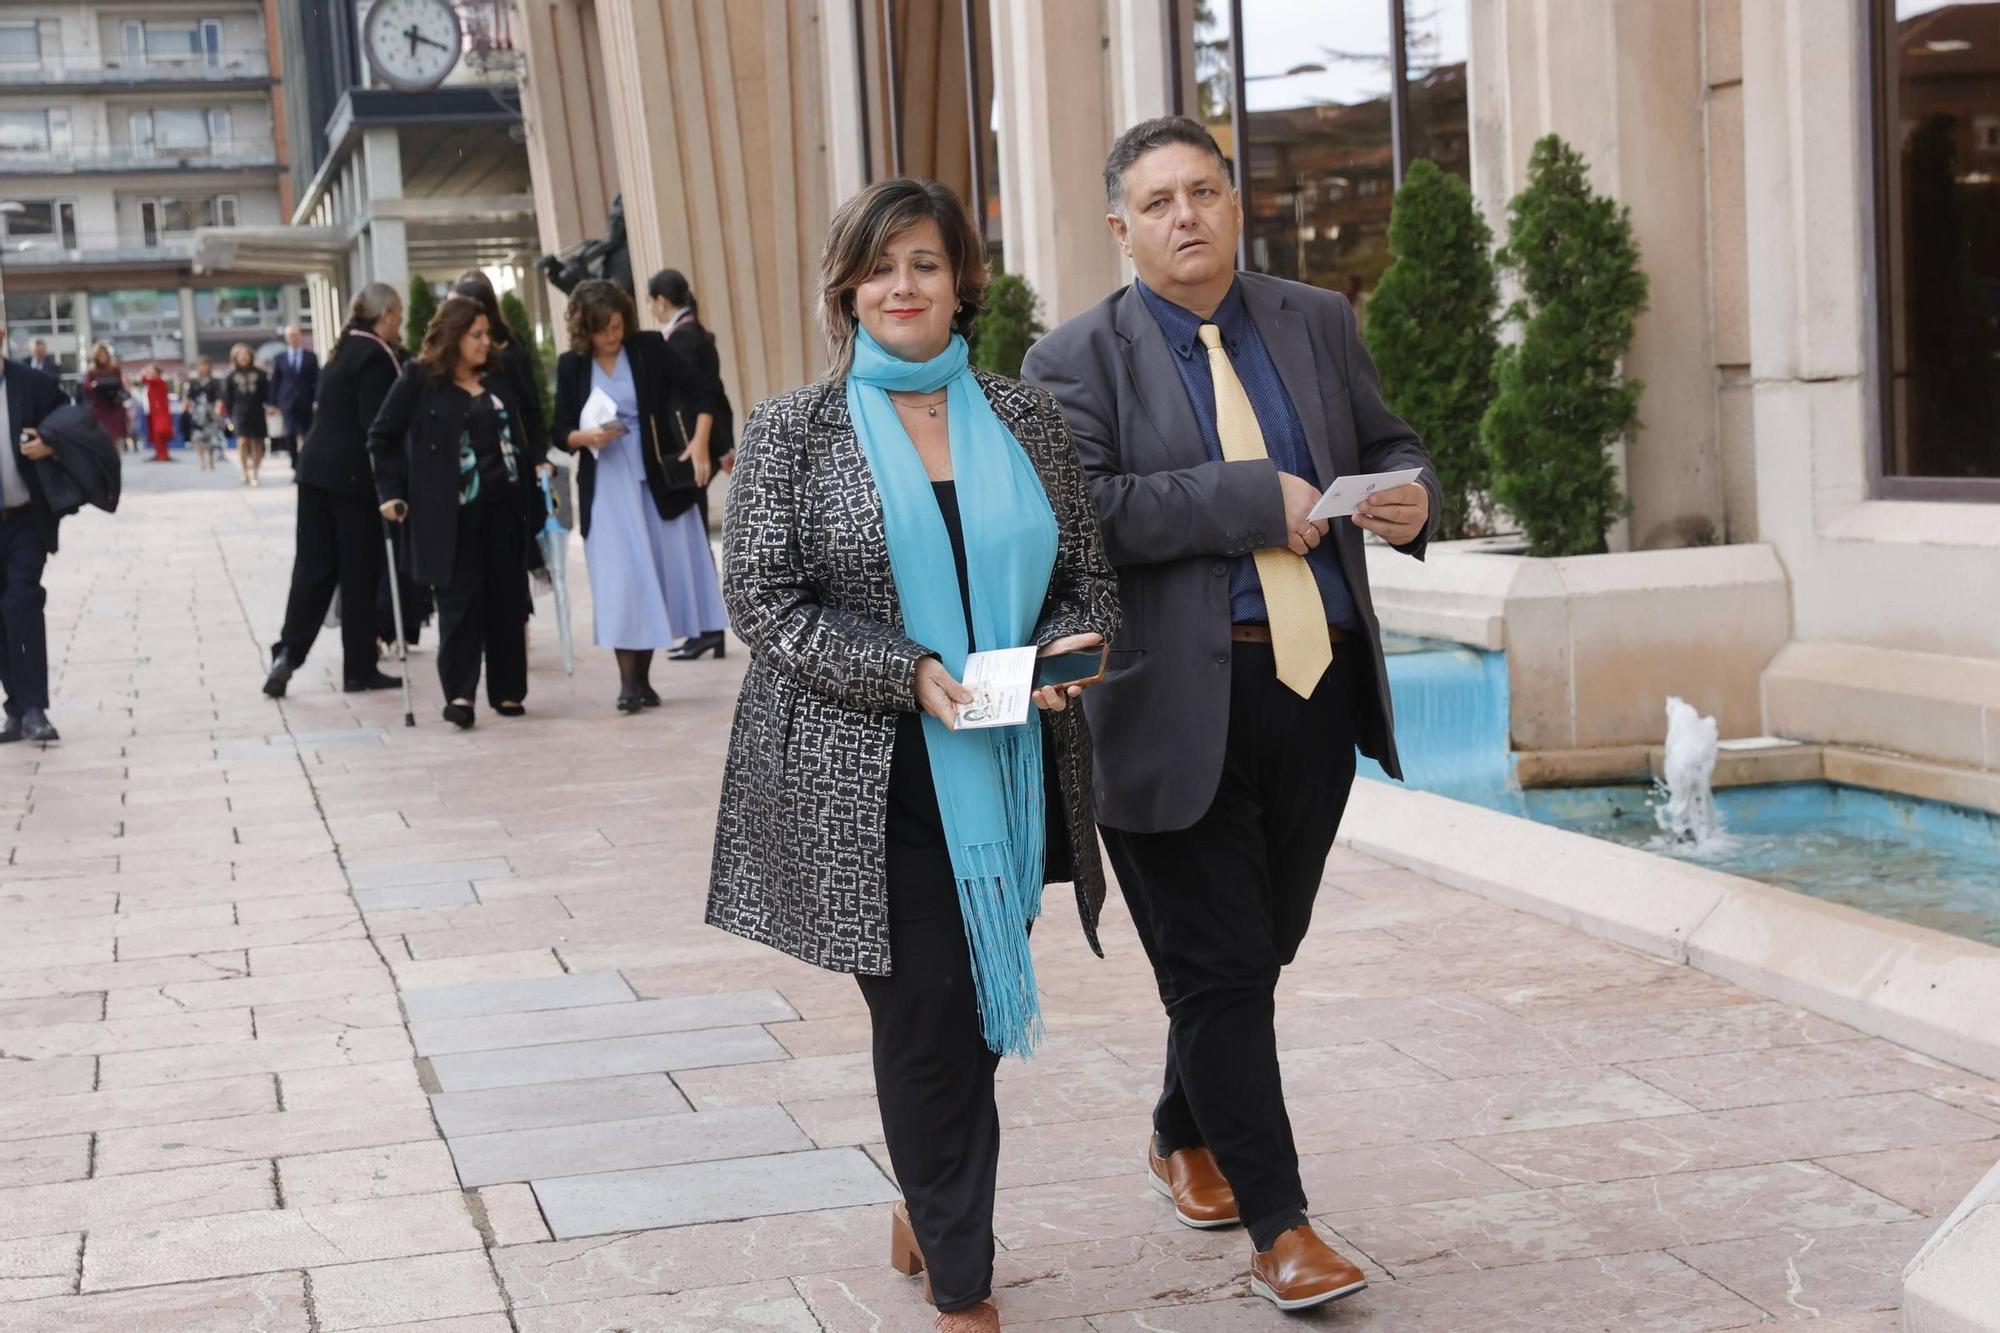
(382, 178)
(190, 328)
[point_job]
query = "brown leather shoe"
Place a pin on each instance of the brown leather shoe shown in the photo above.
(1190, 1177)
(1301, 1271)
(980, 1318)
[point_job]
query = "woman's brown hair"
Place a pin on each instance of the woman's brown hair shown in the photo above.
(591, 307)
(454, 319)
(863, 228)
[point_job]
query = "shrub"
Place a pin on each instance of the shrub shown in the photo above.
(522, 330)
(1007, 327)
(1563, 399)
(420, 311)
(1433, 331)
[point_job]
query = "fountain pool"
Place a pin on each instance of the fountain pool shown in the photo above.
(1923, 862)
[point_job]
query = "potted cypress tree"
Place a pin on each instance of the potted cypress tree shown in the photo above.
(1432, 329)
(1008, 326)
(421, 310)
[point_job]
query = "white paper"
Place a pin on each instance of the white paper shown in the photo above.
(1002, 684)
(598, 410)
(1347, 493)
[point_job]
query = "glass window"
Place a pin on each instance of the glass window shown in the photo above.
(1435, 41)
(225, 211)
(1939, 98)
(178, 215)
(24, 131)
(240, 307)
(135, 312)
(41, 223)
(180, 127)
(40, 314)
(173, 43)
(20, 44)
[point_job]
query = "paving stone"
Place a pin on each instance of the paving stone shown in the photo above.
(133, 1034)
(413, 975)
(308, 1018)
(472, 1323)
(56, 1077)
(40, 1161)
(386, 1083)
(1932, 1180)
(1810, 1274)
(595, 1022)
(667, 1196)
(38, 1266)
(85, 1205)
(204, 966)
(276, 1055)
(244, 992)
(240, 1243)
(596, 1059)
(388, 874)
(616, 1145)
(74, 1113)
(756, 1307)
(404, 1291)
(1426, 1113)
(512, 1215)
(45, 1010)
(267, 1303)
(419, 1167)
(264, 934)
(519, 996)
(1795, 1074)
(336, 955)
(396, 897)
(278, 1134)
(493, 1110)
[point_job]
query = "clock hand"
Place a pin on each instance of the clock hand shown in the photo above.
(412, 33)
(432, 41)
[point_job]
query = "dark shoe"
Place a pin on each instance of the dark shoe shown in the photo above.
(649, 697)
(510, 710)
(374, 680)
(1300, 1271)
(631, 703)
(10, 732)
(282, 668)
(715, 641)
(36, 727)
(459, 715)
(1202, 1197)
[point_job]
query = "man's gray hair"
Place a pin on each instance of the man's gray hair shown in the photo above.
(1142, 139)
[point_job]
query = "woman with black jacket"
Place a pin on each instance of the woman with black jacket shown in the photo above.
(679, 316)
(652, 579)
(339, 543)
(451, 459)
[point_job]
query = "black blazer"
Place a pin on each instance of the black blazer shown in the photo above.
(413, 444)
(694, 345)
(295, 391)
(517, 362)
(31, 396)
(334, 456)
(671, 393)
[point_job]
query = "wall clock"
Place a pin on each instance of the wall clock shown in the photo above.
(413, 44)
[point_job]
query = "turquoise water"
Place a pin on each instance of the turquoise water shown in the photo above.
(1923, 862)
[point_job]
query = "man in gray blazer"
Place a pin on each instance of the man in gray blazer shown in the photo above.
(1226, 726)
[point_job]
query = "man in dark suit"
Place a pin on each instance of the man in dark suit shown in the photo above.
(294, 389)
(27, 540)
(1210, 407)
(40, 358)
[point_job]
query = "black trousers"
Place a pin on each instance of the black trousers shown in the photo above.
(339, 546)
(933, 1070)
(485, 610)
(1222, 906)
(24, 632)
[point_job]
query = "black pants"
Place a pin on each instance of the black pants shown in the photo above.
(339, 546)
(1222, 906)
(486, 607)
(933, 1070)
(24, 633)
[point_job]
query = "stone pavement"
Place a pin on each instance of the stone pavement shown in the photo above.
(312, 1022)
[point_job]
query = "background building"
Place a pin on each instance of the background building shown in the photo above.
(124, 129)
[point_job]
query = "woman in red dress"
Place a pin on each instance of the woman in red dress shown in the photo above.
(159, 413)
(104, 385)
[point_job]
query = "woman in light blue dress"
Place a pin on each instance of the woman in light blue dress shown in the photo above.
(652, 576)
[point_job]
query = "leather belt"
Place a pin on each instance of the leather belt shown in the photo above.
(1259, 633)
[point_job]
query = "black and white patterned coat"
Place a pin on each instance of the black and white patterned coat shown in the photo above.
(799, 856)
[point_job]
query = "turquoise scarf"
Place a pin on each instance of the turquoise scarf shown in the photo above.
(989, 782)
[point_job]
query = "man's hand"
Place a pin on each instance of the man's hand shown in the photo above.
(1398, 516)
(395, 511)
(33, 446)
(1301, 533)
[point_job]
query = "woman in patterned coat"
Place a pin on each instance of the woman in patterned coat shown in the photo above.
(882, 522)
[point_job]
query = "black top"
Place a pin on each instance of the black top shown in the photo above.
(482, 430)
(246, 393)
(352, 387)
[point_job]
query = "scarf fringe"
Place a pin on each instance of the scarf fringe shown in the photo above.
(998, 899)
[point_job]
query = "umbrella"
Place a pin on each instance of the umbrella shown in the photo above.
(554, 542)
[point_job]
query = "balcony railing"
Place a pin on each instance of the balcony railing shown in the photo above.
(96, 252)
(90, 68)
(91, 158)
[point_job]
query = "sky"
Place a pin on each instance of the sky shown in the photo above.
(1280, 34)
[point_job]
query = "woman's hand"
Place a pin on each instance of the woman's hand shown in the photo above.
(937, 693)
(545, 470)
(594, 440)
(697, 454)
(395, 510)
(1055, 698)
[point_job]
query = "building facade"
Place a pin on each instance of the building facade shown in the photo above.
(126, 127)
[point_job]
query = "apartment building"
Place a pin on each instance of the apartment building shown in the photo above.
(125, 128)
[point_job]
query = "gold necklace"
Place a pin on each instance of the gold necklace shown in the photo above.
(931, 407)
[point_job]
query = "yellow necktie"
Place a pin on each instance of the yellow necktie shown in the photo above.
(1299, 638)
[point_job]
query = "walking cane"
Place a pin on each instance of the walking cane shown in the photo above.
(396, 605)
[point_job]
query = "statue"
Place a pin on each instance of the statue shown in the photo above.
(608, 258)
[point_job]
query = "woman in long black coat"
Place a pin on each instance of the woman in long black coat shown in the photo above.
(679, 315)
(451, 458)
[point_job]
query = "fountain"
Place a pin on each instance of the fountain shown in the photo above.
(1689, 812)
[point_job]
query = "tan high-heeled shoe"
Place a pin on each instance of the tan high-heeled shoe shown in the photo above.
(904, 1254)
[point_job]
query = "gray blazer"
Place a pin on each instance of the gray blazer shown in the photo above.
(1171, 517)
(799, 857)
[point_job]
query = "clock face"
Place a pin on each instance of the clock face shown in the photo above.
(413, 44)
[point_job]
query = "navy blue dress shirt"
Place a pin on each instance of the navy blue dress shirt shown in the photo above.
(1284, 435)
